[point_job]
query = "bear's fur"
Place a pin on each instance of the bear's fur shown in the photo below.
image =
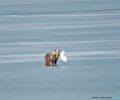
(51, 58)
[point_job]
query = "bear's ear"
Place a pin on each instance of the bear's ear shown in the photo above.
(55, 50)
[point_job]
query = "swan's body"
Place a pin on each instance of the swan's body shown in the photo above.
(63, 57)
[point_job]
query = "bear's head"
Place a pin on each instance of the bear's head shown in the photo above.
(56, 53)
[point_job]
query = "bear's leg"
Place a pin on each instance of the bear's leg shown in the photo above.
(55, 62)
(47, 61)
(52, 63)
(47, 64)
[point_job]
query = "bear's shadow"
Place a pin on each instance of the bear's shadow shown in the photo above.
(52, 65)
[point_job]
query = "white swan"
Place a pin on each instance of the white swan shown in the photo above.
(63, 56)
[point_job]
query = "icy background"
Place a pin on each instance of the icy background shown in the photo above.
(88, 30)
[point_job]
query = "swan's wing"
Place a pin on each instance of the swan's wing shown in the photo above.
(64, 58)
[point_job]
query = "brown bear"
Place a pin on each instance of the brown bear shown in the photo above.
(51, 58)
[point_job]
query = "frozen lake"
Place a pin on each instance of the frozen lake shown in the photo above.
(88, 30)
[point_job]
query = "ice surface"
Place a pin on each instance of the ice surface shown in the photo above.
(89, 32)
